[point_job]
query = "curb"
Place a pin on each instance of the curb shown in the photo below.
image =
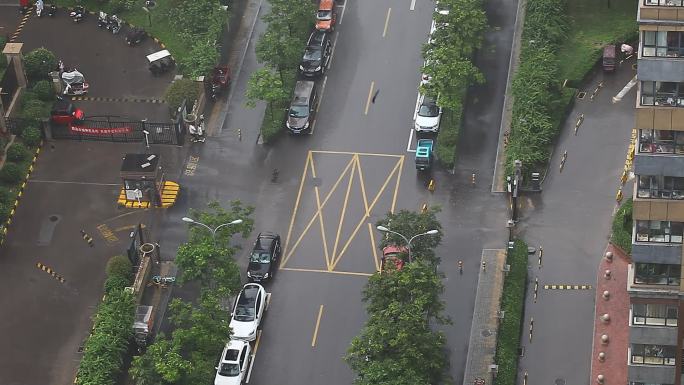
(8, 222)
(507, 110)
(223, 114)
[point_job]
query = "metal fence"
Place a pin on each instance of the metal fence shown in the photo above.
(118, 130)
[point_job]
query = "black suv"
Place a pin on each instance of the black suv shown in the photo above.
(264, 257)
(316, 55)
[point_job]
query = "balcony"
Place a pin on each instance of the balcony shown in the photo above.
(661, 12)
(660, 152)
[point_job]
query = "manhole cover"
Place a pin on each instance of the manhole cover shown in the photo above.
(560, 381)
(316, 182)
(486, 333)
(54, 218)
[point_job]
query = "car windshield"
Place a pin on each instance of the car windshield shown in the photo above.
(428, 110)
(312, 53)
(299, 111)
(229, 369)
(324, 15)
(244, 313)
(260, 257)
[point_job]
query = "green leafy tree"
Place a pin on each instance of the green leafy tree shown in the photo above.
(298, 16)
(410, 223)
(39, 63)
(215, 215)
(179, 90)
(214, 267)
(267, 86)
(203, 57)
(401, 306)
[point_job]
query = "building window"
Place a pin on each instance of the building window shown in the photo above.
(669, 94)
(664, 3)
(657, 274)
(661, 142)
(660, 187)
(659, 231)
(653, 354)
(654, 314)
(663, 44)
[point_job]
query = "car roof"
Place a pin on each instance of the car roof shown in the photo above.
(249, 293)
(264, 241)
(326, 4)
(234, 345)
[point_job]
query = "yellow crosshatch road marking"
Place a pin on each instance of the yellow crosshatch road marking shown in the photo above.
(354, 174)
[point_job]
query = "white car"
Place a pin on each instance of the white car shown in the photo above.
(248, 312)
(428, 114)
(233, 363)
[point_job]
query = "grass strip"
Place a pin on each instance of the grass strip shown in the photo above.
(512, 303)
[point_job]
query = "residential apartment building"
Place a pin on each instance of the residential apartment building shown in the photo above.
(655, 277)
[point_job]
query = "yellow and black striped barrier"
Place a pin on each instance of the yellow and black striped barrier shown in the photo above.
(117, 100)
(23, 21)
(51, 272)
(567, 287)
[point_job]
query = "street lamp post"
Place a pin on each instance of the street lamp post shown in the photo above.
(214, 230)
(149, 15)
(407, 240)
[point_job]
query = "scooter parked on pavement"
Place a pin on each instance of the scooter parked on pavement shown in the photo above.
(78, 13)
(51, 10)
(135, 36)
(102, 20)
(114, 24)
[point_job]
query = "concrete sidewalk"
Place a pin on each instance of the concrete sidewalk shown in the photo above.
(485, 324)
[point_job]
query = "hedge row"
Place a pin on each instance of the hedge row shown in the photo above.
(112, 330)
(536, 88)
(512, 300)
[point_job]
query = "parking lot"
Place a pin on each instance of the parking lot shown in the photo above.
(53, 278)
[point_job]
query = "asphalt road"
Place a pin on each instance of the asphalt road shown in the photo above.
(571, 220)
(357, 162)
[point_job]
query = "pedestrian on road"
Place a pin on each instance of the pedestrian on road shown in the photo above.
(460, 267)
(39, 7)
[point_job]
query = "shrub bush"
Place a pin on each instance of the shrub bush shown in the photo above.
(5, 209)
(6, 195)
(112, 331)
(622, 227)
(181, 89)
(17, 152)
(119, 265)
(34, 109)
(31, 136)
(11, 173)
(39, 63)
(44, 91)
(117, 6)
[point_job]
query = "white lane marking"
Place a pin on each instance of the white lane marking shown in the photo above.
(413, 5)
(410, 141)
(389, 12)
(332, 51)
(344, 7)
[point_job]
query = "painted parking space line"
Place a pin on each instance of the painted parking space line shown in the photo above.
(410, 142)
(344, 7)
(254, 352)
(332, 51)
(384, 31)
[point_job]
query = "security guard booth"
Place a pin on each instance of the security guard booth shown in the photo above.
(143, 183)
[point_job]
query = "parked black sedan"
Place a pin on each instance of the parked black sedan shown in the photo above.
(316, 55)
(264, 257)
